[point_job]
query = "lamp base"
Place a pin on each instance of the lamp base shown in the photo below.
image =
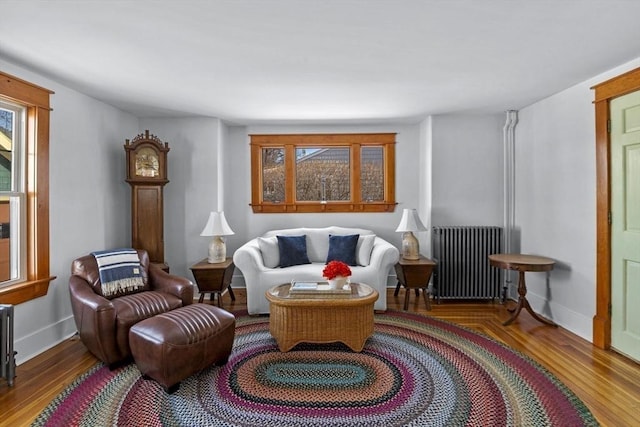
(410, 246)
(217, 250)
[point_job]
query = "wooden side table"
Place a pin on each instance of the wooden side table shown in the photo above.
(414, 274)
(214, 278)
(161, 265)
(523, 263)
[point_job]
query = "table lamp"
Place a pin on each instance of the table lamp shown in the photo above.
(409, 223)
(217, 227)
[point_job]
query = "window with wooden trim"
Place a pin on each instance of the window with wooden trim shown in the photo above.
(323, 173)
(24, 184)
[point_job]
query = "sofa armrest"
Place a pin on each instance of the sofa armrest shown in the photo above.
(248, 257)
(162, 281)
(384, 254)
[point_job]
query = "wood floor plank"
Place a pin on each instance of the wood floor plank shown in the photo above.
(608, 383)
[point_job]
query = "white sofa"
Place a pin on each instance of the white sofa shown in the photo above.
(258, 261)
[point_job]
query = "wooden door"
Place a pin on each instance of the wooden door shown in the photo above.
(625, 224)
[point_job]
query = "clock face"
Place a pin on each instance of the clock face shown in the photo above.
(147, 164)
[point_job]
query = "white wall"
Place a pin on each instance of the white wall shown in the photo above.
(467, 165)
(193, 166)
(425, 184)
(89, 202)
(556, 201)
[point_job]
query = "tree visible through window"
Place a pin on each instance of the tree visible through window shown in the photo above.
(6, 146)
(323, 172)
(273, 174)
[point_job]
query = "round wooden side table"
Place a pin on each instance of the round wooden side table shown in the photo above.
(523, 263)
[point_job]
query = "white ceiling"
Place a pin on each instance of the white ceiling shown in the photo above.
(258, 61)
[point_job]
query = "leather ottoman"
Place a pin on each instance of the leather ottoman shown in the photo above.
(174, 345)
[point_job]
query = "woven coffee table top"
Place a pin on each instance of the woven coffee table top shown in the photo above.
(360, 293)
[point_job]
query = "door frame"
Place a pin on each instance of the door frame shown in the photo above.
(604, 93)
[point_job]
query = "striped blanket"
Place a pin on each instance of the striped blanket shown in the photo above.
(120, 271)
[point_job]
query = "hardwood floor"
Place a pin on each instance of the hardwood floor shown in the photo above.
(608, 383)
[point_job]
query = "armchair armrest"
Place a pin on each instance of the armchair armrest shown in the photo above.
(82, 293)
(162, 281)
(95, 319)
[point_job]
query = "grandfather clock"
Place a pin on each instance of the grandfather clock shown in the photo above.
(147, 175)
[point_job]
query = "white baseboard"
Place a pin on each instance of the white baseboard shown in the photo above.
(574, 322)
(42, 340)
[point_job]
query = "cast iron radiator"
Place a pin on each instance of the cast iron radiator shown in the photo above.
(7, 355)
(462, 254)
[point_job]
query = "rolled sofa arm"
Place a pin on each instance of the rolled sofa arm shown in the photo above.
(248, 259)
(384, 254)
(383, 257)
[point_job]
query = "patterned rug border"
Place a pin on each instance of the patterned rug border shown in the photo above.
(555, 403)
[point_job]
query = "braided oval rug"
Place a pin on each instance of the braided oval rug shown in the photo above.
(414, 371)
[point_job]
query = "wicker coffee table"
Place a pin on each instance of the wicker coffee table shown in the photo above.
(321, 318)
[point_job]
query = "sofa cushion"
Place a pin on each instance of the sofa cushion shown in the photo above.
(292, 250)
(317, 244)
(318, 238)
(343, 248)
(364, 248)
(270, 251)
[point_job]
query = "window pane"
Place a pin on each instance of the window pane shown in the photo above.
(322, 174)
(273, 175)
(9, 238)
(7, 119)
(372, 174)
(11, 197)
(5, 241)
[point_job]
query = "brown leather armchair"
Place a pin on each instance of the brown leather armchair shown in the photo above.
(104, 322)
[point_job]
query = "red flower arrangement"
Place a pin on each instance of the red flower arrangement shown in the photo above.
(335, 269)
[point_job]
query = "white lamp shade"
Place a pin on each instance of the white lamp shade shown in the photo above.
(217, 226)
(410, 221)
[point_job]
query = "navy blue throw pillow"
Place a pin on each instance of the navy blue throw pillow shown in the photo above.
(343, 248)
(293, 250)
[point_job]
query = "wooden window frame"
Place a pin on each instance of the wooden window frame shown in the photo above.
(289, 142)
(36, 101)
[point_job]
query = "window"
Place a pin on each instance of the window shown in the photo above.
(12, 194)
(24, 190)
(323, 173)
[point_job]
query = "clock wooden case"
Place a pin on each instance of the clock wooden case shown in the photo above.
(147, 175)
